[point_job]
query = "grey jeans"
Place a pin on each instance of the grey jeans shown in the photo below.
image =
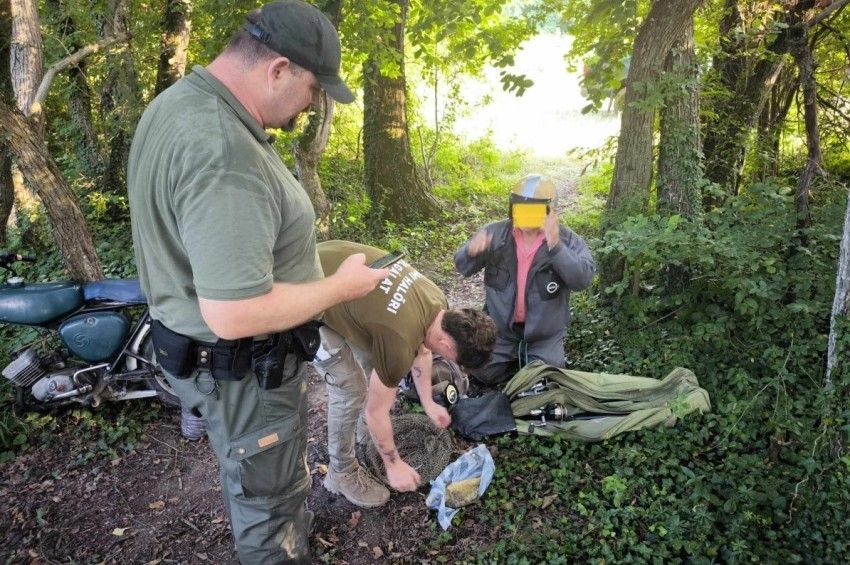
(346, 371)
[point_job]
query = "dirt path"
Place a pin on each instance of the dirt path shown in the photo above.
(161, 503)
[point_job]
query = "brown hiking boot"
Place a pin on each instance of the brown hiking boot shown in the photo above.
(358, 486)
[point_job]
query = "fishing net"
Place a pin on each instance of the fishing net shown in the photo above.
(424, 446)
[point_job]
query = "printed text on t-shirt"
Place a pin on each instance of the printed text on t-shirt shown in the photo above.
(397, 296)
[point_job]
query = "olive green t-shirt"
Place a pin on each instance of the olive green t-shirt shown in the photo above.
(215, 213)
(390, 322)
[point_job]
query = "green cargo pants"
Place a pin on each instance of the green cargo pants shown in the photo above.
(259, 437)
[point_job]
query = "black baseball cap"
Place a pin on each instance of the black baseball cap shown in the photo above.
(305, 36)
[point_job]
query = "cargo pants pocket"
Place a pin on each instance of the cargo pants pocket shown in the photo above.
(269, 459)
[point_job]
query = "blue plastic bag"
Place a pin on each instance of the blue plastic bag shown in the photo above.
(476, 462)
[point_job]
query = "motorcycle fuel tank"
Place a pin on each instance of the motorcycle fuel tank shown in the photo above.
(34, 304)
(94, 336)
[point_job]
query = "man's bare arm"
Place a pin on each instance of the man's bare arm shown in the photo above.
(423, 374)
(401, 476)
(289, 305)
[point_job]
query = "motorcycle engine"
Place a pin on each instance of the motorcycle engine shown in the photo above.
(48, 388)
(28, 371)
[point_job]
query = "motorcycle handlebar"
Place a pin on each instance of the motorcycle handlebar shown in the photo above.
(7, 258)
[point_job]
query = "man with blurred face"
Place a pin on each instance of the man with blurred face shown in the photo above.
(226, 250)
(531, 265)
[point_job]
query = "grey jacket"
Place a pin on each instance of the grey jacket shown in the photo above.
(553, 274)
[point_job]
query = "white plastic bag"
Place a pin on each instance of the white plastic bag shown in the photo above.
(476, 462)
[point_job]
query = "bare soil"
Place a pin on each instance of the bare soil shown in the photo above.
(161, 501)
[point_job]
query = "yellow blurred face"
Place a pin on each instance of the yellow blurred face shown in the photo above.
(528, 215)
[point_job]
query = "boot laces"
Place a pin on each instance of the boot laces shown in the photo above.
(361, 479)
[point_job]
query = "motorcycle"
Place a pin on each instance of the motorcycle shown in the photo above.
(95, 342)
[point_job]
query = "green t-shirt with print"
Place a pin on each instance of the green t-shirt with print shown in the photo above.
(390, 322)
(215, 212)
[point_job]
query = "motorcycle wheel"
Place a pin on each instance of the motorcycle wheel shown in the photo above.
(158, 382)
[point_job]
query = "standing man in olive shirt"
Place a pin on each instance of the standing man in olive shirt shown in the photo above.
(392, 330)
(226, 251)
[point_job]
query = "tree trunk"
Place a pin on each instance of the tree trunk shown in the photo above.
(310, 146)
(665, 23)
(7, 96)
(80, 98)
(725, 132)
(26, 53)
(746, 79)
(772, 117)
(397, 192)
(40, 171)
(307, 151)
(629, 195)
(802, 52)
(841, 303)
(679, 167)
(119, 104)
(174, 43)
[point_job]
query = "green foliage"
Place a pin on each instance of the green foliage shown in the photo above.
(445, 35)
(585, 216)
(102, 434)
(603, 33)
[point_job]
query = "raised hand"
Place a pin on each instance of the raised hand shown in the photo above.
(479, 243)
(552, 229)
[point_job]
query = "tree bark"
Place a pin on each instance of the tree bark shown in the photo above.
(26, 53)
(7, 96)
(310, 146)
(120, 102)
(679, 166)
(629, 195)
(665, 23)
(174, 43)
(40, 171)
(730, 110)
(802, 52)
(841, 302)
(746, 79)
(307, 151)
(397, 192)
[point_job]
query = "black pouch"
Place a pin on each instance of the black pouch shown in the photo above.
(268, 360)
(483, 416)
(306, 340)
(231, 359)
(173, 350)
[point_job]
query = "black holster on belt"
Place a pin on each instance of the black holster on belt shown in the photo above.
(269, 359)
(269, 356)
(306, 340)
(179, 355)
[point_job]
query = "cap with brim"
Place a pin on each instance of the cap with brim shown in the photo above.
(336, 89)
(305, 36)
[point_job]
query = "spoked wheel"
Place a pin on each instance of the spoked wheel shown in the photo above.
(158, 382)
